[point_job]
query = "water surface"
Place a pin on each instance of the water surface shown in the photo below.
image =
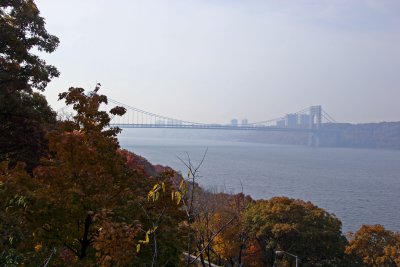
(359, 186)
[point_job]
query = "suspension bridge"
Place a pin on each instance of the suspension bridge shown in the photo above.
(308, 120)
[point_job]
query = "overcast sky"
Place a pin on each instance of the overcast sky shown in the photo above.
(214, 60)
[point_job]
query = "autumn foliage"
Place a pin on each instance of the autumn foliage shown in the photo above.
(84, 203)
(70, 196)
(375, 246)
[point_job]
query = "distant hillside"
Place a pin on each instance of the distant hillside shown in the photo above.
(383, 135)
(369, 135)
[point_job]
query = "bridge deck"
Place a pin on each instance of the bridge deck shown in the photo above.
(215, 127)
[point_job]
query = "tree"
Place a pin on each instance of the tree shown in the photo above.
(375, 245)
(24, 120)
(84, 205)
(21, 30)
(210, 220)
(79, 196)
(230, 243)
(24, 114)
(204, 220)
(83, 188)
(164, 220)
(15, 194)
(295, 226)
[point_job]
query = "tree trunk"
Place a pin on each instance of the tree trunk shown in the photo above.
(85, 242)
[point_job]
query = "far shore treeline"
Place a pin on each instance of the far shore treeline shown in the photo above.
(382, 135)
(70, 196)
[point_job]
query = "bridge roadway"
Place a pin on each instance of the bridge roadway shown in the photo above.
(215, 127)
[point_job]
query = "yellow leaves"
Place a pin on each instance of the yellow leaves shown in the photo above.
(163, 186)
(154, 193)
(178, 196)
(181, 184)
(155, 187)
(146, 240)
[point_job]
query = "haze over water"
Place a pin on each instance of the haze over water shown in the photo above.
(360, 186)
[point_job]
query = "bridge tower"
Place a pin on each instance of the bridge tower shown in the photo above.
(315, 124)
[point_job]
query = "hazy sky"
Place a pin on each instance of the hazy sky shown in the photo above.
(214, 60)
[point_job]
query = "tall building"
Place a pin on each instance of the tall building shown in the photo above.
(245, 122)
(304, 120)
(234, 122)
(291, 120)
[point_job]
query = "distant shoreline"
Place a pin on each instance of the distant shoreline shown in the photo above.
(383, 135)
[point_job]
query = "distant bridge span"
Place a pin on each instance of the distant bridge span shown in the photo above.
(308, 120)
(215, 127)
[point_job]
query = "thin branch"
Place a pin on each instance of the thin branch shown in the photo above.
(202, 160)
(154, 224)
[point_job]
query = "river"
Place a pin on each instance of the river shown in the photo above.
(360, 186)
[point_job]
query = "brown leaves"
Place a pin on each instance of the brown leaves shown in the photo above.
(115, 242)
(89, 118)
(118, 111)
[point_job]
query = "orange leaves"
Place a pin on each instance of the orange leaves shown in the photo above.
(38, 247)
(375, 245)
